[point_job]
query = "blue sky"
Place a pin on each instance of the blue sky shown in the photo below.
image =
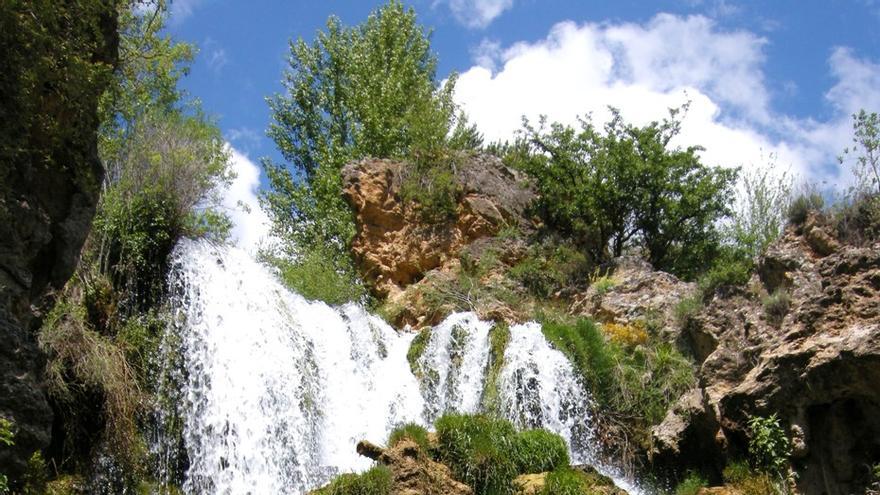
(766, 78)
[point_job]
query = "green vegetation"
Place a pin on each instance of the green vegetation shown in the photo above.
(538, 451)
(691, 484)
(6, 440)
(412, 431)
(741, 476)
(626, 187)
(499, 336)
(564, 481)
(376, 481)
(769, 447)
(550, 266)
(478, 449)
(802, 205)
(357, 92)
(760, 216)
(635, 382)
(776, 306)
(416, 349)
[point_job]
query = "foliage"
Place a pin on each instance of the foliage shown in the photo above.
(35, 476)
(564, 481)
(769, 447)
(478, 450)
(691, 484)
(416, 349)
(376, 481)
(732, 268)
(412, 431)
(802, 205)
(364, 91)
(626, 187)
(550, 266)
(858, 220)
(318, 275)
(687, 308)
(740, 475)
(627, 335)
(759, 218)
(56, 60)
(6, 440)
(776, 306)
(636, 384)
(866, 148)
(538, 451)
(603, 284)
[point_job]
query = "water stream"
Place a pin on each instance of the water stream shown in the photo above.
(270, 392)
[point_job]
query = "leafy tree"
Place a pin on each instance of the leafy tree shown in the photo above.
(628, 187)
(866, 147)
(764, 199)
(354, 92)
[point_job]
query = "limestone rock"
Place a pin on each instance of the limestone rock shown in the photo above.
(48, 192)
(394, 247)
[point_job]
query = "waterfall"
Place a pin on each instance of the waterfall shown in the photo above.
(268, 393)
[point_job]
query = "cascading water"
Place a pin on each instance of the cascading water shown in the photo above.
(269, 393)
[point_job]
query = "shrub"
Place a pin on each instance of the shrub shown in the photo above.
(318, 275)
(564, 481)
(35, 476)
(736, 472)
(412, 431)
(416, 349)
(538, 451)
(548, 268)
(741, 476)
(603, 284)
(802, 205)
(376, 481)
(769, 447)
(731, 270)
(479, 450)
(629, 335)
(691, 484)
(776, 306)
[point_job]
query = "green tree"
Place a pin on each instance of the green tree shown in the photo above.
(354, 92)
(628, 187)
(764, 199)
(866, 148)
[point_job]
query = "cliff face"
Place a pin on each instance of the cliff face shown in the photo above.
(51, 178)
(817, 365)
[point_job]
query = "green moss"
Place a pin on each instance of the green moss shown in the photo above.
(416, 349)
(538, 451)
(479, 450)
(376, 481)
(499, 337)
(585, 346)
(412, 431)
(564, 481)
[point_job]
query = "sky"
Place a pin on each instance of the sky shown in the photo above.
(772, 83)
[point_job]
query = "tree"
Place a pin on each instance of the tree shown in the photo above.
(763, 201)
(364, 91)
(628, 187)
(866, 145)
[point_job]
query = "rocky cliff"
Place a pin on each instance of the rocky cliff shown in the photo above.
(810, 353)
(50, 179)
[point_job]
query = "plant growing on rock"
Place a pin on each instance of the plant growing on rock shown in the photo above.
(769, 447)
(776, 306)
(376, 481)
(412, 431)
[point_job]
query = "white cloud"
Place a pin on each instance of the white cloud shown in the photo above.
(476, 14)
(644, 69)
(250, 222)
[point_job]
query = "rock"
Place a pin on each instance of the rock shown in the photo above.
(412, 470)
(48, 194)
(818, 370)
(530, 484)
(638, 293)
(595, 483)
(394, 247)
(720, 490)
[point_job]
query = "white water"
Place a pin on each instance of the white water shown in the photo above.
(273, 392)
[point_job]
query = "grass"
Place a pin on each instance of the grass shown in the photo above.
(687, 309)
(478, 450)
(318, 275)
(584, 344)
(416, 349)
(376, 481)
(547, 268)
(539, 451)
(691, 484)
(411, 431)
(564, 481)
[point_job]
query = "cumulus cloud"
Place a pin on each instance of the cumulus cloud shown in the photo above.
(250, 222)
(476, 14)
(644, 69)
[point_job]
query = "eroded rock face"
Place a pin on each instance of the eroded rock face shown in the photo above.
(48, 194)
(636, 292)
(818, 368)
(395, 247)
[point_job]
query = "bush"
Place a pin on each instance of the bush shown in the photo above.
(479, 450)
(548, 268)
(769, 447)
(691, 484)
(729, 270)
(802, 205)
(317, 275)
(538, 451)
(376, 481)
(736, 472)
(776, 306)
(564, 481)
(687, 308)
(412, 431)
(628, 335)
